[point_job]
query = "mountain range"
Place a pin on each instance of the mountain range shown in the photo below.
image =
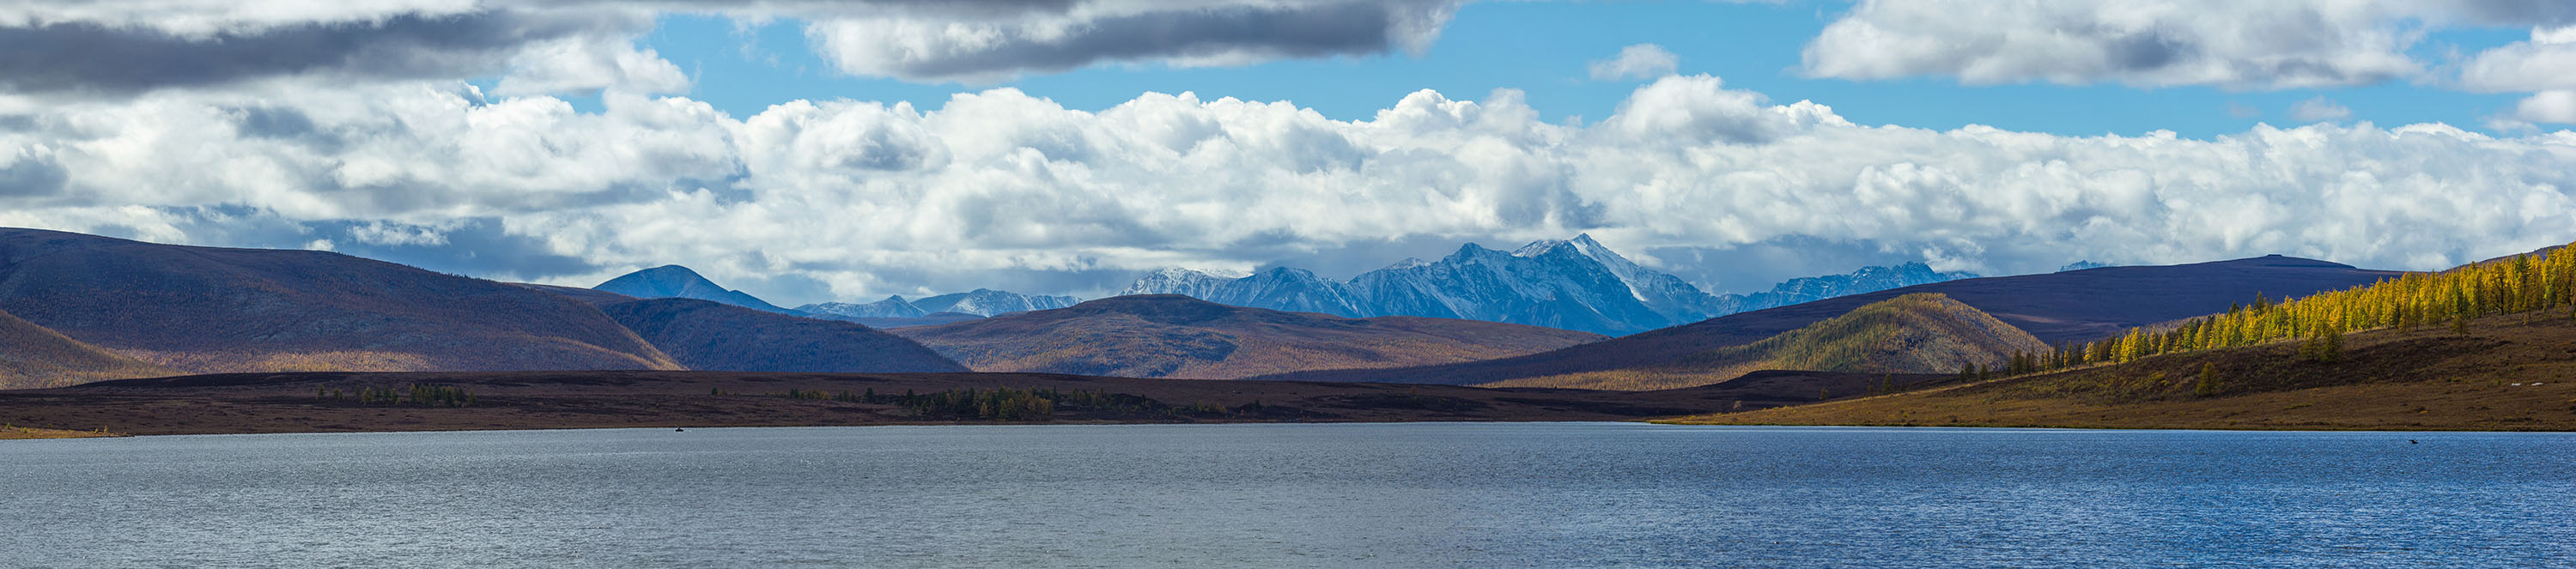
(2053, 307)
(979, 302)
(1574, 284)
(1182, 337)
(674, 281)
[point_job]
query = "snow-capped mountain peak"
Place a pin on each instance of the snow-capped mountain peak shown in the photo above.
(1575, 284)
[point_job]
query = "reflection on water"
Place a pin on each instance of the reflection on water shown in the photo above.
(1385, 495)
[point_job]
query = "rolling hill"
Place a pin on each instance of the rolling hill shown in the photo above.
(2055, 307)
(1922, 333)
(674, 281)
(206, 310)
(33, 357)
(709, 336)
(1181, 337)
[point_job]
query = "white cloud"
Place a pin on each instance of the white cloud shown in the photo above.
(1641, 61)
(2546, 62)
(2272, 44)
(2547, 107)
(865, 199)
(2318, 109)
(581, 65)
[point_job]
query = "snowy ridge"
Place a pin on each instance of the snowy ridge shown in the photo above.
(1572, 284)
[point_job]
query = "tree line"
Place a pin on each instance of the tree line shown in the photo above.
(420, 394)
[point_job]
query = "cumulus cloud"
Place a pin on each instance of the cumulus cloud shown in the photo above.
(2547, 107)
(2319, 108)
(810, 200)
(2274, 44)
(1639, 61)
(2546, 62)
(586, 65)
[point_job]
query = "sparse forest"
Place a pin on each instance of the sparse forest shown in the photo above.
(2535, 285)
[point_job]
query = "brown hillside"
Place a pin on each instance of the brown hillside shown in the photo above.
(34, 357)
(1182, 337)
(2510, 372)
(2055, 307)
(1913, 334)
(710, 336)
(204, 309)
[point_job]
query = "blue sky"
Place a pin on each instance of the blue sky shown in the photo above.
(1543, 48)
(840, 151)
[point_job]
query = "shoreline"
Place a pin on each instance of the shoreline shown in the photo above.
(54, 434)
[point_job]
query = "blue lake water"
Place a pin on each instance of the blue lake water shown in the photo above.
(1348, 495)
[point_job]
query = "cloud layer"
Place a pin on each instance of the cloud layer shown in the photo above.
(560, 46)
(2273, 44)
(853, 200)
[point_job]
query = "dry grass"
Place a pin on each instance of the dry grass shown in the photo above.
(2512, 372)
(34, 357)
(14, 432)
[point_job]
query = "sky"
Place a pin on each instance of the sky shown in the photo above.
(811, 151)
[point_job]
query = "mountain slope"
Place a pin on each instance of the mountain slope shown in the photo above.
(2508, 372)
(2054, 307)
(206, 310)
(1182, 337)
(1924, 333)
(674, 281)
(708, 336)
(33, 357)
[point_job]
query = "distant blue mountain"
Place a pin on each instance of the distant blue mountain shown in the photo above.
(980, 302)
(2082, 265)
(674, 281)
(1574, 284)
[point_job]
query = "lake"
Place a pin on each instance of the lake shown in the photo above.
(1329, 495)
